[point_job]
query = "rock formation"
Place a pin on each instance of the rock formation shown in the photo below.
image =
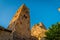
(38, 31)
(19, 27)
(20, 24)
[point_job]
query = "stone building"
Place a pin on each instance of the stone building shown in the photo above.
(19, 27)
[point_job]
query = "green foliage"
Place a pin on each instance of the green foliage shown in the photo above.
(53, 32)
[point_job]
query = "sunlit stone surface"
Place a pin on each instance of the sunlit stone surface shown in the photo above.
(38, 31)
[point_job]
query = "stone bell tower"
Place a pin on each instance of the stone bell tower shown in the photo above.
(20, 24)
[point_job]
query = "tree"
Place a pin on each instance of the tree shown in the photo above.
(53, 32)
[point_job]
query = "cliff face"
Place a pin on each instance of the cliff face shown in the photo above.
(19, 27)
(20, 24)
(38, 31)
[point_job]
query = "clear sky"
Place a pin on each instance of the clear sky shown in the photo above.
(45, 11)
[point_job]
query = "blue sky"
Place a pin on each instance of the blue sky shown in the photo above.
(45, 11)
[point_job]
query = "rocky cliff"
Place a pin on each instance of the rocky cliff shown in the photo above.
(38, 30)
(20, 24)
(19, 27)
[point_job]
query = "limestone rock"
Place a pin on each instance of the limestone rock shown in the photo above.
(20, 24)
(19, 27)
(38, 30)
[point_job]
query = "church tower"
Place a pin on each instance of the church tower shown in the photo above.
(20, 24)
